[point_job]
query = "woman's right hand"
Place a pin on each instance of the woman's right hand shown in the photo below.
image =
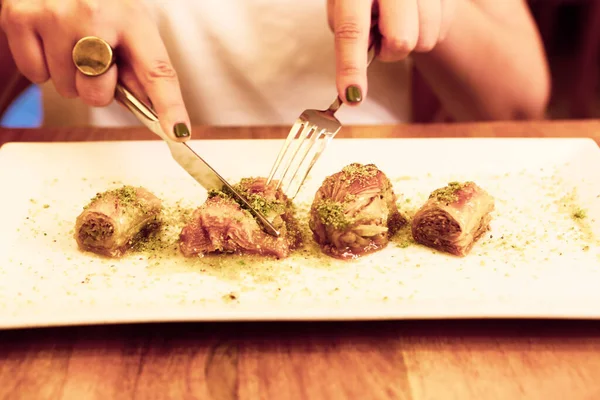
(42, 33)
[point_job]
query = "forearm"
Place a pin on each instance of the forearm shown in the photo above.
(488, 68)
(12, 83)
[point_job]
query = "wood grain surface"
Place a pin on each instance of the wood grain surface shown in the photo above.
(417, 360)
(582, 128)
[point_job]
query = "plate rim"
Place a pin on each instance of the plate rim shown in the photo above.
(265, 317)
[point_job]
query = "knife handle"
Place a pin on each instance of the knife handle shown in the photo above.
(144, 113)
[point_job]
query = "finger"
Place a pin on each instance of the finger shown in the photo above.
(448, 7)
(128, 79)
(352, 20)
(145, 51)
(28, 54)
(330, 13)
(98, 91)
(430, 19)
(58, 47)
(399, 28)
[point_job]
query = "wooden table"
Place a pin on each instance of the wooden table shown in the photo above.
(381, 360)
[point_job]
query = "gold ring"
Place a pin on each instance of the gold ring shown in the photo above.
(93, 56)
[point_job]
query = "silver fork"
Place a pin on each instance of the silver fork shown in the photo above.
(311, 133)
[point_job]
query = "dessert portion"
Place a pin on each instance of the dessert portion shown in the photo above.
(222, 225)
(116, 220)
(453, 218)
(354, 212)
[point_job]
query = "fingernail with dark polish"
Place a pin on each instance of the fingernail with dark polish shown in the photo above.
(353, 94)
(181, 130)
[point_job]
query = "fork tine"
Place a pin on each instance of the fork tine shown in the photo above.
(301, 139)
(324, 142)
(315, 124)
(288, 141)
(309, 146)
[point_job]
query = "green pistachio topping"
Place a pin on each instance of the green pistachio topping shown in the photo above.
(579, 214)
(449, 193)
(126, 195)
(331, 213)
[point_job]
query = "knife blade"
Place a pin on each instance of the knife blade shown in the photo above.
(187, 158)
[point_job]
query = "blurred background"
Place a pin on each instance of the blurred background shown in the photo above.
(571, 33)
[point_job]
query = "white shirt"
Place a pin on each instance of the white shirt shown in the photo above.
(251, 62)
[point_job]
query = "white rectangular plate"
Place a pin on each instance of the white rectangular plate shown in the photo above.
(538, 261)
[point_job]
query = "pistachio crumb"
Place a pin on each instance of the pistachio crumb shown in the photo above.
(357, 171)
(579, 213)
(448, 193)
(332, 213)
(126, 195)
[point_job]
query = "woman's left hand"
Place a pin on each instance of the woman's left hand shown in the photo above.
(405, 26)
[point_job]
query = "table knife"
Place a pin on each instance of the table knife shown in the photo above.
(189, 160)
